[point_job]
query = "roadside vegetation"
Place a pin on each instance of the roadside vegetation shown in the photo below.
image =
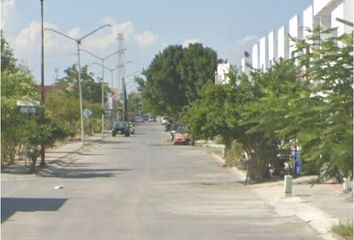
(21, 133)
(305, 101)
(345, 230)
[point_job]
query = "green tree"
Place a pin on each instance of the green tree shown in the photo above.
(19, 129)
(134, 103)
(63, 108)
(8, 61)
(175, 77)
(91, 90)
(305, 101)
(326, 117)
(64, 103)
(14, 86)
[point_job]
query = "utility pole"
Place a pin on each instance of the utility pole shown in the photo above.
(42, 151)
(121, 70)
(78, 41)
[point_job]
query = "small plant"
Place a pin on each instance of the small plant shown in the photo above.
(344, 230)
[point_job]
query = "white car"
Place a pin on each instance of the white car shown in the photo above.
(164, 120)
(139, 119)
(131, 126)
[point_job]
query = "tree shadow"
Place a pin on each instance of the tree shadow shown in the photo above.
(80, 172)
(10, 205)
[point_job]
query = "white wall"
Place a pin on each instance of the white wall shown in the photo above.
(308, 21)
(348, 14)
(263, 54)
(343, 11)
(222, 70)
(325, 7)
(272, 48)
(338, 13)
(255, 56)
(321, 13)
(295, 31)
(283, 43)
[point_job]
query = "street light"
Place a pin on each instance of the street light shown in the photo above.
(78, 42)
(42, 151)
(124, 91)
(102, 82)
(111, 70)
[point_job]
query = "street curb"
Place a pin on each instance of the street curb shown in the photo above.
(316, 218)
(240, 173)
(51, 162)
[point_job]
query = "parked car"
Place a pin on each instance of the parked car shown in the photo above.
(139, 119)
(172, 128)
(168, 126)
(131, 127)
(121, 127)
(165, 120)
(180, 136)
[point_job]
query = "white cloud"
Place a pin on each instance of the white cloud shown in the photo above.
(142, 39)
(190, 41)
(28, 40)
(74, 33)
(248, 40)
(146, 39)
(7, 7)
(60, 51)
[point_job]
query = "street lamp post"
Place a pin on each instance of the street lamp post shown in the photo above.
(102, 82)
(124, 91)
(78, 42)
(42, 151)
(112, 70)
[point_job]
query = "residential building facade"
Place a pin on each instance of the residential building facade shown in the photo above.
(277, 44)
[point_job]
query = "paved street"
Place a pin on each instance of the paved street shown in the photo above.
(141, 187)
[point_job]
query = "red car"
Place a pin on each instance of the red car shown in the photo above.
(180, 136)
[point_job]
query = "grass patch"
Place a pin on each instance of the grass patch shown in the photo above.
(344, 230)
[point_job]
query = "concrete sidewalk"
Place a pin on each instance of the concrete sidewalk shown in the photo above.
(63, 154)
(320, 205)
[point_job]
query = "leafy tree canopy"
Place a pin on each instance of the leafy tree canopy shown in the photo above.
(175, 77)
(91, 90)
(8, 61)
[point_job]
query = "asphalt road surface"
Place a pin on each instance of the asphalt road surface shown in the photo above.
(141, 188)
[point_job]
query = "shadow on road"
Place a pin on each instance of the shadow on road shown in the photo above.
(72, 172)
(9, 205)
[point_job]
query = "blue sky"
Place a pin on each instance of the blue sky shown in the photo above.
(228, 26)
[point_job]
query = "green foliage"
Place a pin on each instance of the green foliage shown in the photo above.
(63, 104)
(19, 129)
(175, 77)
(8, 61)
(64, 110)
(14, 86)
(307, 100)
(344, 230)
(91, 90)
(326, 117)
(134, 103)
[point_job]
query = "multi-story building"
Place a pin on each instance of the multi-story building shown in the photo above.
(277, 44)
